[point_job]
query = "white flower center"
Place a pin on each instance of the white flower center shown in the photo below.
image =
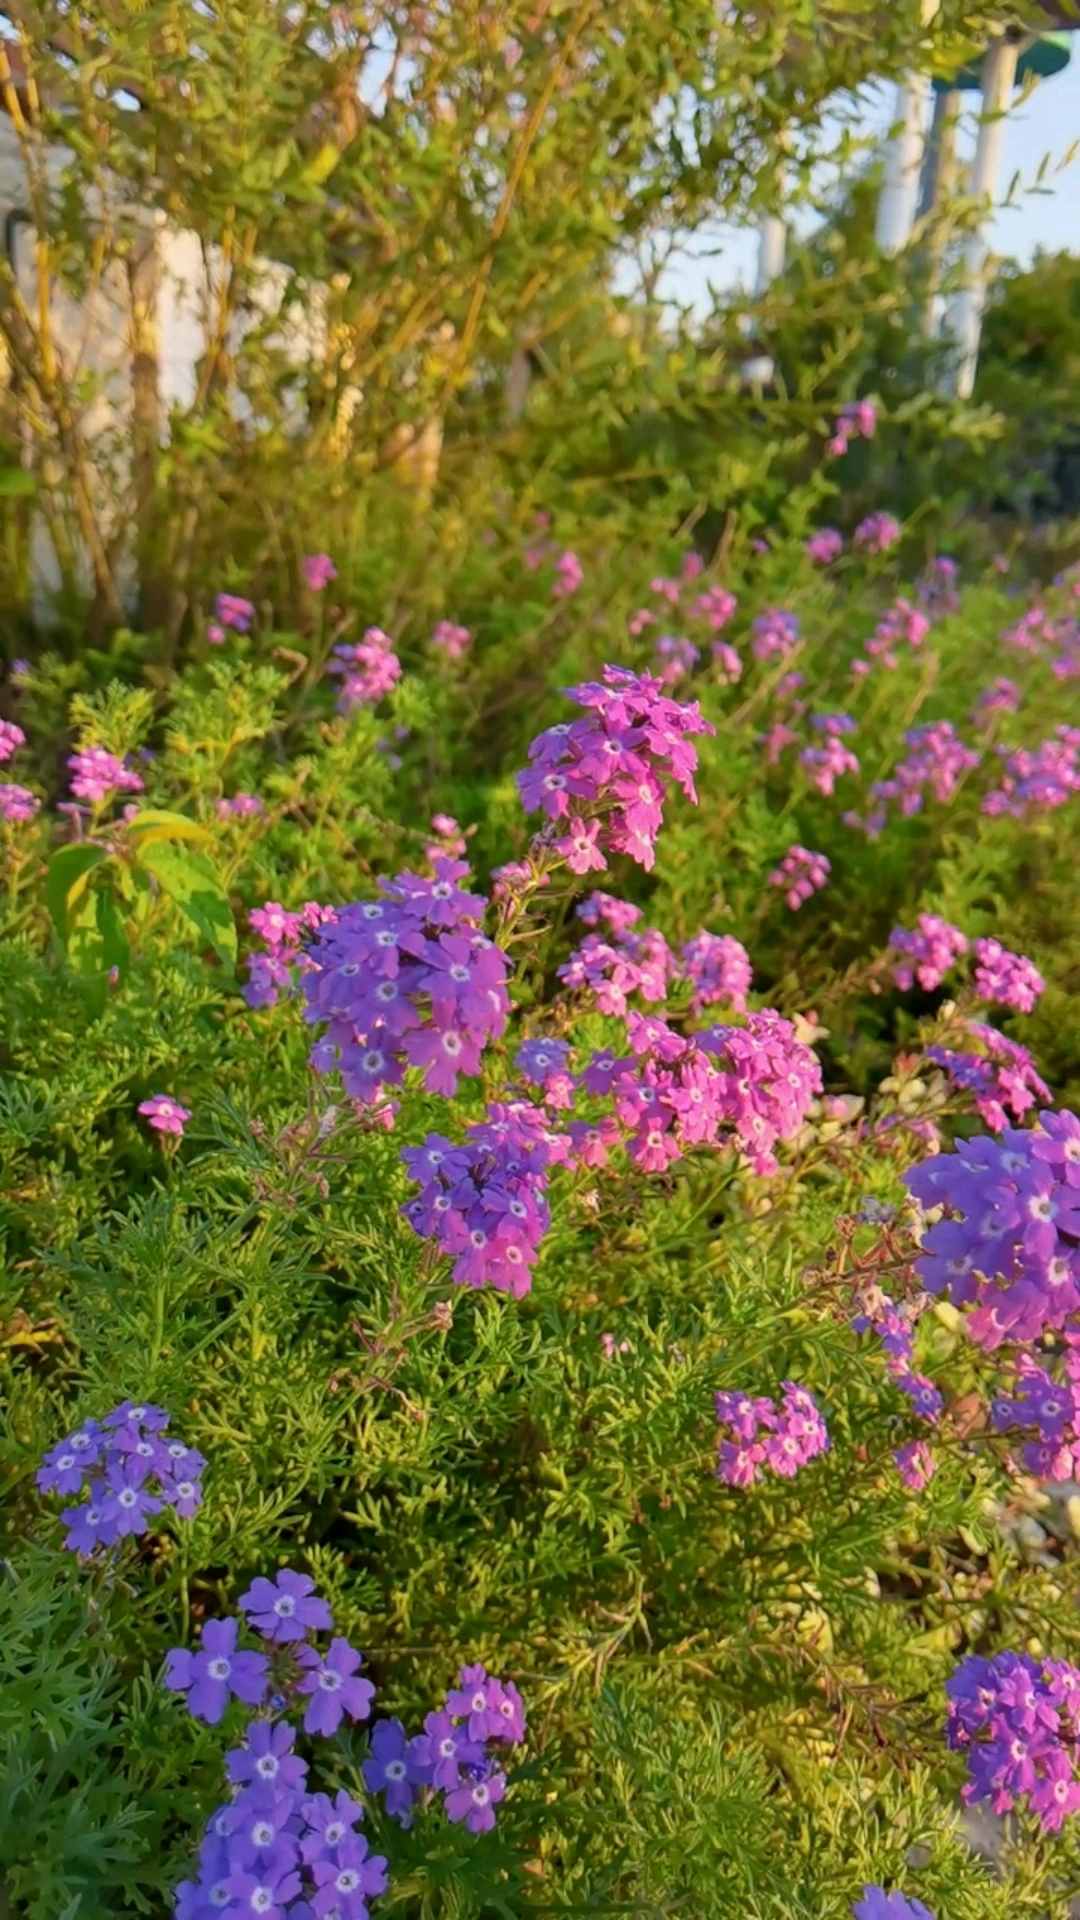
(329, 1681)
(284, 1606)
(395, 1769)
(219, 1669)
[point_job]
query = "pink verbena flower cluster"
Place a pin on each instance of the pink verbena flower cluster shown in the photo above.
(451, 639)
(1008, 1249)
(776, 634)
(902, 623)
(801, 873)
(569, 575)
(483, 1202)
(877, 533)
(603, 778)
(895, 1328)
(368, 669)
(1002, 696)
(614, 969)
(727, 663)
(930, 951)
(675, 658)
(1001, 1077)
(857, 420)
(1043, 778)
(406, 980)
(275, 972)
(936, 588)
(937, 759)
(715, 605)
(1047, 1409)
(824, 546)
(828, 762)
(242, 806)
(1017, 1719)
(11, 739)
(1010, 979)
(231, 610)
(766, 1436)
(318, 570)
(718, 966)
(17, 803)
(96, 774)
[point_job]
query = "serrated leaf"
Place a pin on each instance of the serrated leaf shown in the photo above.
(67, 880)
(193, 885)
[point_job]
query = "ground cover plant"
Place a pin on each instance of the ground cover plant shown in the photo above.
(541, 1219)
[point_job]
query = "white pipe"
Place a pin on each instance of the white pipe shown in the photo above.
(903, 156)
(964, 321)
(772, 246)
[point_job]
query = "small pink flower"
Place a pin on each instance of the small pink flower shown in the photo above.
(216, 634)
(318, 570)
(165, 1115)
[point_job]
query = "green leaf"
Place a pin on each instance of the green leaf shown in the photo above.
(67, 880)
(97, 941)
(156, 824)
(193, 885)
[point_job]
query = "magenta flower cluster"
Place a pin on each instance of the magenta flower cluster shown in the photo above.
(801, 873)
(1017, 1721)
(406, 980)
(824, 546)
(231, 610)
(318, 570)
(11, 739)
(629, 962)
(1007, 978)
(764, 1436)
(936, 761)
(129, 1467)
(17, 804)
(1001, 1077)
(829, 761)
(775, 634)
(275, 972)
(877, 533)
(895, 1328)
(1008, 1248)
(97, 774)
(929, 952)
(718, 967)
(857, 420)
(902, 623)
(484, 1202)
(1047, 1410)
(367, 668)
(602, 780)
(1038, 779)
(459, 1754)
(451, 639)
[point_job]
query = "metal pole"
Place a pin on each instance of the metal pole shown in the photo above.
(937, 183)
(964, 321)
(903, 156)
(772, 246)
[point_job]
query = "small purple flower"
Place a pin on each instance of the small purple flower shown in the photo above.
(474, 1801)
(876, 1904)
(209, 1677)
(17, 804)
(391, 1769)
(334, 1690)
(329, 1823)
(137, 1413)
(266, 1763)
(286, 1608)
(347, 1883)
(234, 612)
(265, 1893)
(443, 1749)
(92, 1525)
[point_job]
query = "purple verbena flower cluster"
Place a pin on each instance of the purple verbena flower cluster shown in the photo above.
(715, 605)
(877, 533)
(1001, 1077)
(230, 610)
(718, 966)
(1010, 979)
(901, 623)
(544, 1063)
(1002, 696)
(824, 546)
(675, 658)
(829, 761)
(857, 420)
(17, 804)
(1017, 1719)
(1009, 1248)
(1049, 1410)
(275, 972)
(1034, 779)
(895, 1328)
(876, 1904)
(368, 668)
(130, 1469)
(406, 980)
(459, 1754)
(603, 779)
(614, 969)
(242, 806)
(801, 873)
(937, 759)
(929, 950)
(781, 1438)
(97, 774)
(484, 1202)
(776, 634)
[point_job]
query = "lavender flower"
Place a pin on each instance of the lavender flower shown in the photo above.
(824, 546)
(877, 533)
(782, 1438)
(1018, 1719)
(876, 1904)
(330, 1680)
(1010, 979)
(930, 952)
(210, 1677)
(287, 1608)
(129, 1470)
(801, 873)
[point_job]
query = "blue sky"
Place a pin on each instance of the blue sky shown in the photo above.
(1046, 122)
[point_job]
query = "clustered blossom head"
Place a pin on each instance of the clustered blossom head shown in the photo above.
(232, 611)
(675, 658)
(406, 980)
(130, 1468)
(1017, 1719)
(1010, 979)
(1001, 1077)
(17, 803)
(1043, 778)
(832, 759)
(895, 1328)
(801, 873)
(936, 588)
(1008, 1248)
(451, 640)
(719, 967)
(776, 634)
(726, 662)
(601, 780)
(544, 1063)
(857, 420)
(715, 605)
(318, 570)
(484, 1202)
(936, 759)
(242, 806)
(97, 774)
(901, 623)
(165, 1115)
(765, 1436)
(459, 1754)
(1002, 696)
(1048, 1410)
(877, 533)
(627, 963)
(876, 1904)
(368, 669)
(569, 575)
(930, 951)
(275, 972)
(11, 739)
(824, 545)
